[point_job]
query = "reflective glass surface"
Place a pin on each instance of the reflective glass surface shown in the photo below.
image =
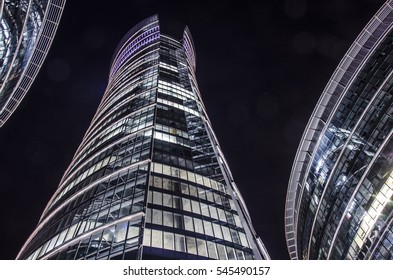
(342, 177)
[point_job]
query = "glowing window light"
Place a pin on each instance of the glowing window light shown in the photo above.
(370, 218)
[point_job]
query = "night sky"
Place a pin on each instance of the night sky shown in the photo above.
(261, 67)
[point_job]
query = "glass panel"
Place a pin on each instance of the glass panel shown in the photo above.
(178, 221)
(156, 238)
(148, 215)
(237, 221)
(205, 209)
(176, 202)
(231, 253)
(227, 235)
(168, 219)
(180, 243)
(167, 184)
(186, 204)
(195, 207)
(157, 198)
(157, 217)
(184, 188)
(166, 170)
(150, 197)
(243, 239)
(167, 200)
(157, 182)
(209, 196)
(169, 241)
(191, 246)
(201, 244)
(61, 238)
(147, 237)
(198, 225)
(133, 231)
(213, 212)
(217, 231)
(193, 191)
(221, 252)
(121, 232)
(188, 225)
(202, 193)
(239, 255)
(218, 198)
(235, 236)
(221, 215)
(212, 250)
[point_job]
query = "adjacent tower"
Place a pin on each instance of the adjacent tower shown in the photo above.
(149, 180)
(339, 202)
(27, 30)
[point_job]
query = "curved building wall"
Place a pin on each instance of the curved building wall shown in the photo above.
(339, 201)
(27, 30)
(148, 180)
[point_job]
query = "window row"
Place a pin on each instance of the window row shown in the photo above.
(191, 245)
(172, 139)
(193, 206)
(177, 186)
(188, 176)
(171, 130)
(178, 106)
(179, 89)
(112, 240)
(169, 67)
(184, 189)
(193, 224)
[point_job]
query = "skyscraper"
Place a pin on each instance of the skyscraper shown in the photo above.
(339, 201)
(27, 30)
(149, 180)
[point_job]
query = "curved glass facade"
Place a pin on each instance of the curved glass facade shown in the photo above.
(27, 29)
(148, 180)
(339, 201)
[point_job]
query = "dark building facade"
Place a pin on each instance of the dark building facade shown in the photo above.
(149, 180)
(27, 30)
(339, 201)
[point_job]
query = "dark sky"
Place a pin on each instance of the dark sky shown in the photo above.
(261, 67)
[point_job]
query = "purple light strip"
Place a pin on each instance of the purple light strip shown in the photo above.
(146, 38)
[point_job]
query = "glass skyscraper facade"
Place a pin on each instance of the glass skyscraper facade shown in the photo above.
(149, 180)
(27, 30)
(339, 201)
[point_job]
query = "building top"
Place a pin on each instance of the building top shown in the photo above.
(140, 36)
